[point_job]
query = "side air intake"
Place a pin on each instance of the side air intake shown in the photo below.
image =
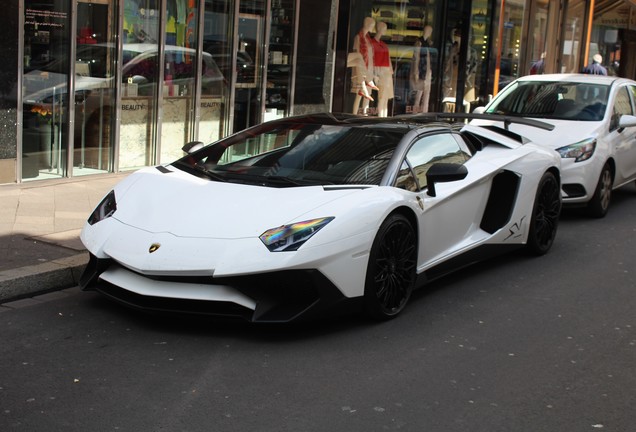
(501, 200)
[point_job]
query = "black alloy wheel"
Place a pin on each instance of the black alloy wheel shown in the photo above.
(391, 270)
(600, 202)
(545, 215)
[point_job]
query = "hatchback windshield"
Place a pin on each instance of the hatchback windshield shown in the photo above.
(553, 100)
(292, 154)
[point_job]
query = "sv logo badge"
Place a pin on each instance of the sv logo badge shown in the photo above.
(154, 247)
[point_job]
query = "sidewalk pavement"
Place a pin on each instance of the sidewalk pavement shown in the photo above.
(40, 223)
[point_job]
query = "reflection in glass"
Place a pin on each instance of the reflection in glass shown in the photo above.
(179, 71)
(95, 63)
(45, 96)
(217, 66)
(574, 27)
(140, 74)
(247, 103)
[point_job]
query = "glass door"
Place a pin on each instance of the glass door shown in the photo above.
(265, 61)
(95, 86)
(217, 57)
(45, 88)
(280, 59)
(140, 75)
(180, 67)
(248, 92)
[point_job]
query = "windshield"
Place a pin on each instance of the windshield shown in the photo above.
(553, 100)
(293, 154)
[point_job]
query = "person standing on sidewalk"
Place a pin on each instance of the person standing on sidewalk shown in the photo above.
(595, 68)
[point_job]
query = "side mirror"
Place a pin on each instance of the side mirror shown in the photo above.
(626, 121)
(444, 173)
(479, 110)
(192, 146)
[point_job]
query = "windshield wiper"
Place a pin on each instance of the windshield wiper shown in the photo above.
(212, 174)
(282, 180)
(198, 170)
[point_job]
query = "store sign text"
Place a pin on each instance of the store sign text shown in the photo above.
(133, 107)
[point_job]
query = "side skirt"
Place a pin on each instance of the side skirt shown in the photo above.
(469, 258)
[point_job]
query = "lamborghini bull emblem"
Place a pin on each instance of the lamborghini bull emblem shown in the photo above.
(154, 247)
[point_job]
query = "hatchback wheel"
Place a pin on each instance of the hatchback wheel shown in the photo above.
(600, 202)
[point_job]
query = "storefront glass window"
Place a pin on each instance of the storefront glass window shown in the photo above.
(95, 86)
(217, 58)
(537, 44)
(140, 74)
(510, 45)
(180, 65)
(606, 40)
(315, 56)
(251, 63)
(477, 54)
(44, 92)
(573, 30)
(394, 58)
(415, 56)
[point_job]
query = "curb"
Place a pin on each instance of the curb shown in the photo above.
(40, 278)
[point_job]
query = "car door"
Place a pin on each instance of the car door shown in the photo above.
(448, 218)
(623, 141)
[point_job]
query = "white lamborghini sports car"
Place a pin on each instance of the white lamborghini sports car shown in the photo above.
(319, 213)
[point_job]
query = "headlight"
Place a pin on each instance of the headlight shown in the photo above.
(104, 210)
(580, 151)
(291, 237)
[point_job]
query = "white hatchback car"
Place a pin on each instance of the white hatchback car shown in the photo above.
(594, 130)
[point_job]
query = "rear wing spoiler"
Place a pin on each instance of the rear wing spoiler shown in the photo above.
(507, 120)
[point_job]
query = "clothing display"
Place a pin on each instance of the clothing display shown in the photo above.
(383, 71)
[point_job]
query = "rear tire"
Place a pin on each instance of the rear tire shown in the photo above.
(545, 215)
(600, 202)
(391, 270)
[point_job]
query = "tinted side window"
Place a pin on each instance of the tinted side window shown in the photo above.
(427, 151)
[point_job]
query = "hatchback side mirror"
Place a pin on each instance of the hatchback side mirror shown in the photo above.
(626, 121)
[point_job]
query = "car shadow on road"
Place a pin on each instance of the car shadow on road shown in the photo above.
(619, 197)
(205, 326)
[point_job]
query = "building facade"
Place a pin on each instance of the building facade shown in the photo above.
(99, 86)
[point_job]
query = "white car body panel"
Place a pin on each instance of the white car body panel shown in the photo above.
(205, 292)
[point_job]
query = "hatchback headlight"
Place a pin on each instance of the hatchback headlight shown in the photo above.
(291, 237)
(104, 210)
(580, 151)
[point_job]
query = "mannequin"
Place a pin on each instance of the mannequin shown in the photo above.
(422, 71)
(382, 69)
(472, 62)
(450, 68)
(361, 60)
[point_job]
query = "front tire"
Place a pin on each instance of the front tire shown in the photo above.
(600, 202)
(545, 215)
(391, 270)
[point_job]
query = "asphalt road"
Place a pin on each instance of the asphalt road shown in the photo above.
(513, 344)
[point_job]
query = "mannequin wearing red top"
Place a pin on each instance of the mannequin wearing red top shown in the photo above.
(383, 71)
(361, 60)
